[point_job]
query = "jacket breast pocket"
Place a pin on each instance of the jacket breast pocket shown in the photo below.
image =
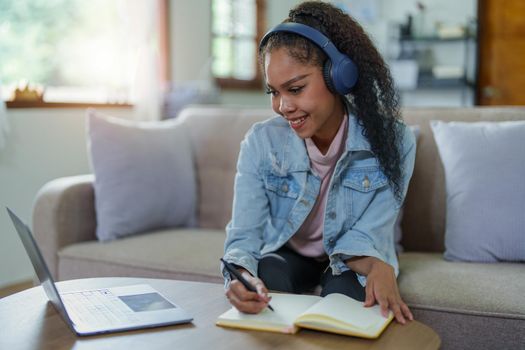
(282, 192)
(360, 186)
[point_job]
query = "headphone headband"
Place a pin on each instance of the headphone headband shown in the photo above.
(342, 73)
(307, 32)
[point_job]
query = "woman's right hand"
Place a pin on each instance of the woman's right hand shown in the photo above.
(243, 299)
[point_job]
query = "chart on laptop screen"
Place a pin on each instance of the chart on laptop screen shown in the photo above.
(146, 302)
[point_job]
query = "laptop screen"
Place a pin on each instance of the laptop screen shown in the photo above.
(39, 265)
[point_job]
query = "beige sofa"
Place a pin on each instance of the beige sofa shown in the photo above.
(471, 306)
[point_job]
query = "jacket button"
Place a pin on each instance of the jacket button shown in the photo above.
(332, 215)
(284, 188)
(366, 182)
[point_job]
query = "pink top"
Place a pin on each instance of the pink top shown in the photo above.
(308, 240)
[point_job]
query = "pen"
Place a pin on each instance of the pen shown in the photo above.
(241, 279)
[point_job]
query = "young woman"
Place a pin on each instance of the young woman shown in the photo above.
(318, 188)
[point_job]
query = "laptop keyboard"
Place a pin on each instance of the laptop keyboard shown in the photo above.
(97, 307)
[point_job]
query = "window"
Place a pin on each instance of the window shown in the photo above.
(237, 27)
(66, 52)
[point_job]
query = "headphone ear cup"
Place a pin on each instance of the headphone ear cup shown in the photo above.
(327, 75)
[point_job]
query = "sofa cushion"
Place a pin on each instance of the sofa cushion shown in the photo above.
(461, 301)
(144, 175)
(427, 281)
(186, 254)
(484, 171)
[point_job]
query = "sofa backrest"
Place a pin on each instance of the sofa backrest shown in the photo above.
(216, 133)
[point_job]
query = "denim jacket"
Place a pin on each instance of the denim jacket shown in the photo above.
(275, 190)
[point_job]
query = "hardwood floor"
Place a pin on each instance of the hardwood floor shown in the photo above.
(14, 288)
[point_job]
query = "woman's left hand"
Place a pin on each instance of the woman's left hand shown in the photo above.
(381, 287)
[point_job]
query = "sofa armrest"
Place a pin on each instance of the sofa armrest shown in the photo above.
(64, 213)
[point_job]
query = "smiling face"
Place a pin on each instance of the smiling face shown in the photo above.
(299, 94)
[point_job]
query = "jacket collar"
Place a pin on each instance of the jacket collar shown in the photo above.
(297, 154)
(356, 140)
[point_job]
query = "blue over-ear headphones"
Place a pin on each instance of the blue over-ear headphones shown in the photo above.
(340, 72)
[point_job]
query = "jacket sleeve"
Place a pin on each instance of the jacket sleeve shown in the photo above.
(372, 233)
(244, 233)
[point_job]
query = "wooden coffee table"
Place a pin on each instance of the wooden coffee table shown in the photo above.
(28, 321)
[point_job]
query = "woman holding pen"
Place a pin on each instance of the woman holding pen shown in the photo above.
(318, 187)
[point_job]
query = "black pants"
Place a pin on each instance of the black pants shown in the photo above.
(287, 271)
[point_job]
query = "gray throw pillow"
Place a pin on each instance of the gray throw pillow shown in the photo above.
(484, 166)
(144, 175)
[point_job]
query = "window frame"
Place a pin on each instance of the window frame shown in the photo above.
(165, 70)
(257, 82)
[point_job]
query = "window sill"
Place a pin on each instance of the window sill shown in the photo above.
(38, 104)
(232, 84)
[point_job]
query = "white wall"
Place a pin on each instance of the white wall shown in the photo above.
(190, 39)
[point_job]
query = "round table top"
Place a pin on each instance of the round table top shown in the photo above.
(29, 321)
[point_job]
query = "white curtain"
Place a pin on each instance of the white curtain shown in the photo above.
(142, 25)
(4, 124)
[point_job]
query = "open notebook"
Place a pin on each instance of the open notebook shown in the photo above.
(335, 313)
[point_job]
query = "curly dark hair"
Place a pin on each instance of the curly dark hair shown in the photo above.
(373, 99)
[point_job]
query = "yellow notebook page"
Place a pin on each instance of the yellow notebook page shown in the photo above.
(341, 314)
(287, 307)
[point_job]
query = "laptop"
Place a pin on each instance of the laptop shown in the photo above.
(105, 310)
